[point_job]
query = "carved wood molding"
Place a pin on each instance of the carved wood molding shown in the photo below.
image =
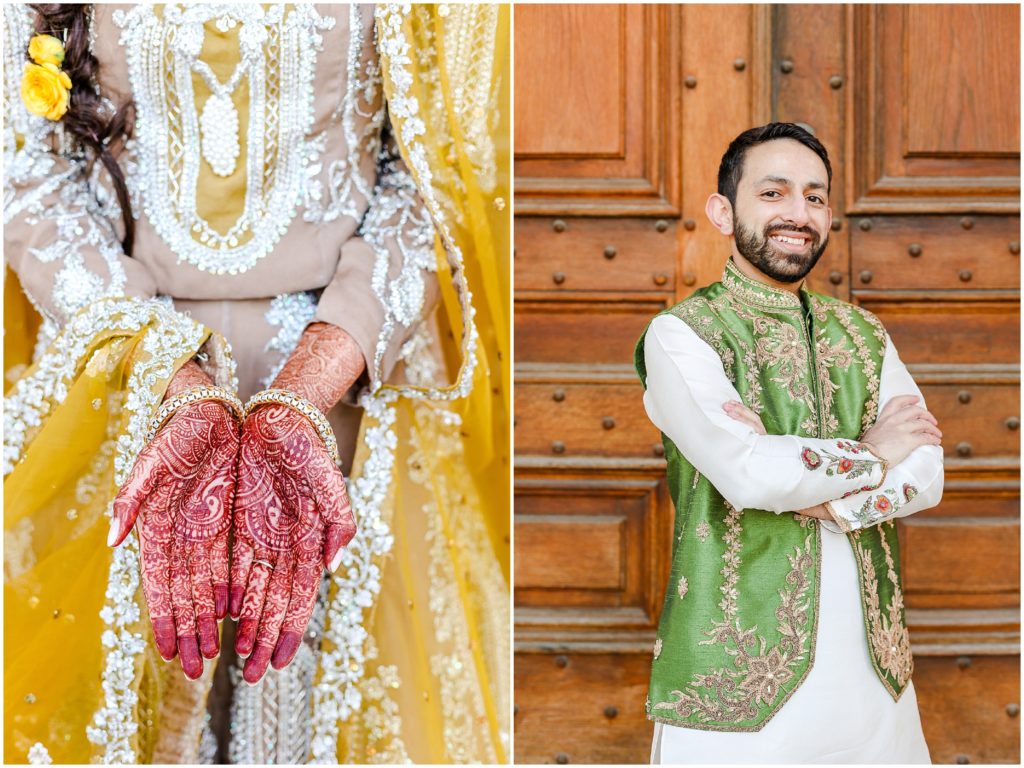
(637, 502)
(885, 176)
(644, 179)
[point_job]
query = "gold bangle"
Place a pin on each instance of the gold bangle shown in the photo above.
(313, 414)
(193, 395)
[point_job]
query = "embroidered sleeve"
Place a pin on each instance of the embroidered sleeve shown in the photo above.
(59, 231)
(910, 486)
(686, 390)
(385, 282)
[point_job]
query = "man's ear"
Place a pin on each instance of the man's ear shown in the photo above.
(719, 212)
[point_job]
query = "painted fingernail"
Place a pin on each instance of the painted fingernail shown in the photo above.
(209, 640)
(246, 637)
(164, 639)
(337, 560)
(287, 647)
(256, 666)
(191, 662)
(220, 599)
(115, 528)
(237, 593)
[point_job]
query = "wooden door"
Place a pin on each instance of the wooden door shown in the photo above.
(622, 114)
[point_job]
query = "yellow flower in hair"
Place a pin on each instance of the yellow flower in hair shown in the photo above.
(45, 90)
(46, 49)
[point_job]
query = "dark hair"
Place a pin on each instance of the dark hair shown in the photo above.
(731, 168)
(87, 122)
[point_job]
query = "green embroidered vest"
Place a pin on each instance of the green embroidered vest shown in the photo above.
(738, 624)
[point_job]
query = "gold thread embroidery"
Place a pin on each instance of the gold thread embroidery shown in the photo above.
(657, 647)
(868, 364)
(700, 324)
(760, 670)
(837, 518)
(887, 634)
(703, 530)
(684, 587)
(731, 557)
(756, 293)
(830, 355)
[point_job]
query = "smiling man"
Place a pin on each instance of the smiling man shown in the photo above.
(794, 437)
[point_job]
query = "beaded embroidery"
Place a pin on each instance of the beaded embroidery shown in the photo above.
(279, 48)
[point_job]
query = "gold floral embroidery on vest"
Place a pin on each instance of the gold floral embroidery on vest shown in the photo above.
(657, 647)
(844, 313)
(684, 587)
(887, 633)
(760, 670)
(703, 530)
(731, 558)
(781, 346)
(701, 325)
(829, 355)
(756, 293)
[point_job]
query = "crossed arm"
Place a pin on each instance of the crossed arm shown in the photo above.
(290, 516)
(692, 401)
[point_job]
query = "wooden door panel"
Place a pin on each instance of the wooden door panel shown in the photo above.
(594, 255)
(951, 332)
(584, 419)
(582, 708)
(976, 499)
(588, 548)
(954, 563)
(929, 135)
(988, 424)
(963, 697)
(936, 253)
(972, 95)
(602, 136)
(589, 332)
(570, 59)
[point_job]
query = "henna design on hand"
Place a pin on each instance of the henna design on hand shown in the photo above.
(292, 517)
(181, 490)
(325, 363)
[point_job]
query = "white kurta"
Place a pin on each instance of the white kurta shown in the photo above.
(841, 713)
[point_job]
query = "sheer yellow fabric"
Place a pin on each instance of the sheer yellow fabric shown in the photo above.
(73, 423)
(437, 682)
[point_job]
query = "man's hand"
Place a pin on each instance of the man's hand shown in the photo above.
(901, 428)
(181, 490)
(292, 517)
(739, 412)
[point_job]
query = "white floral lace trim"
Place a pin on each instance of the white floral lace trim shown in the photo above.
(292, 312)
(336, 695)
(404, 107)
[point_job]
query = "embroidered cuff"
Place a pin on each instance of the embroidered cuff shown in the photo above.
(850, 460)
(872, 509)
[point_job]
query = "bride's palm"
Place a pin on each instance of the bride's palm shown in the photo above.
(291, 518)
(181, 490)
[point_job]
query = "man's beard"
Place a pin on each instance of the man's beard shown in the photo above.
(774, 262)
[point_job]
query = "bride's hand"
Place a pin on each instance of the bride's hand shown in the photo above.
(180, 491)
(292, 518)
